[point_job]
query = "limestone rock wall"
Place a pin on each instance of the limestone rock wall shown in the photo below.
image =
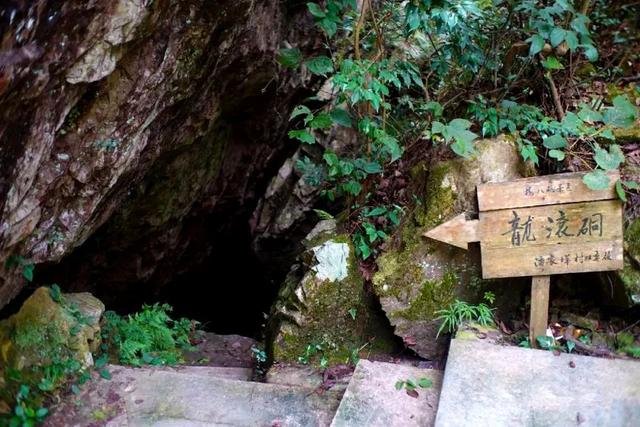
(133, 115)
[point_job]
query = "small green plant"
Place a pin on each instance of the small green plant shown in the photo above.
(27, 267)
(410, 386)
(309, 351)
(150, 336)
(459, 311)
(26, 412)
(625, 343)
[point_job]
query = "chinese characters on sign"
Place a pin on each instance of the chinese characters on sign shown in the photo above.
(551, 188)
(520, 230)
(582, 257)
(542, 226)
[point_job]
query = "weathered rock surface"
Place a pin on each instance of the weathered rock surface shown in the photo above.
(372, 400)
(161, 397)
(136, 115)
(420, 276)
(492, 385)
(323, 310)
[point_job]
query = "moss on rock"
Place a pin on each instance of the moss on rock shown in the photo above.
(44, 330)
(336, 315)
(419, 277)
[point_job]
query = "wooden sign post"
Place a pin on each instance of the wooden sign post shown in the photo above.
(539, 227)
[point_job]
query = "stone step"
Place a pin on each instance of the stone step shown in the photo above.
(372, 399)
(191, 397)
(491, 385)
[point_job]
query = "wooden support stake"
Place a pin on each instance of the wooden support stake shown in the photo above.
(539, 308)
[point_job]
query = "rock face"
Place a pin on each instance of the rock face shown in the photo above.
(134, 115)
(323, 310)
(421, 276)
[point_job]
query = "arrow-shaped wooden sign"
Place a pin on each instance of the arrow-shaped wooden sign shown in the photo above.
(541, 226)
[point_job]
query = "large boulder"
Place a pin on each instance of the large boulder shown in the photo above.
(418, 277)
(50, 329)
(323, 311)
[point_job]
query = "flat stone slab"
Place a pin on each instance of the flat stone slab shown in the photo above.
(372, 400)
(490, 385)
(191, 397)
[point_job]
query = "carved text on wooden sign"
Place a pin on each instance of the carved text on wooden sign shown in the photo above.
(541, 226)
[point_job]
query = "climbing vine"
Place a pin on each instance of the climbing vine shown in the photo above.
(426, 73)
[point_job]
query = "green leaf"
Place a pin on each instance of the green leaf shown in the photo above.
(425, 382)
(557, 36)
(341, 117)
(42, 412)
(537, 44)
(608, 160)
(316, 10)
(290, 58)
(557, 154)
(462, 148)
(572, 40)
(437, 128)
(399, 385)
(587, 114)
(552, 63)
(75, 389)
(101, 361)
(572, 123)
(352, 187)
(596, 180)
(323, 214)
(298, 111)
(621, 193)
(321, 121)
(632, 185)
(591, 53)
(622, 114)
(392, 147)
(302, 135)
(320, 65)
(27, 272)
(554, 142)
(329, 26)
(377, 211)
(352, 312)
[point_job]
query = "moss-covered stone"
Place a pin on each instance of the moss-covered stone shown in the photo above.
(336, 315)
(44, 330)
(49, 330)
(419, 277)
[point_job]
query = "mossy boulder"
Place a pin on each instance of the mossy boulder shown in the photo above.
(420, 276)
(51, 327)
(323, 311)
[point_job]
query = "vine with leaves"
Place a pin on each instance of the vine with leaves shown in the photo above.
(418, 75)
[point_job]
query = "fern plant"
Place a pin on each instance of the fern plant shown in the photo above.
(150, 336)
(452, 316)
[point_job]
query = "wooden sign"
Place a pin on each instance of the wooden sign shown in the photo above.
(539, 227)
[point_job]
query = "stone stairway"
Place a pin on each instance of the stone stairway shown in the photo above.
(224, 396)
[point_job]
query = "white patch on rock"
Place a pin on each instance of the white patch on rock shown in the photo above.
(332, 261)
